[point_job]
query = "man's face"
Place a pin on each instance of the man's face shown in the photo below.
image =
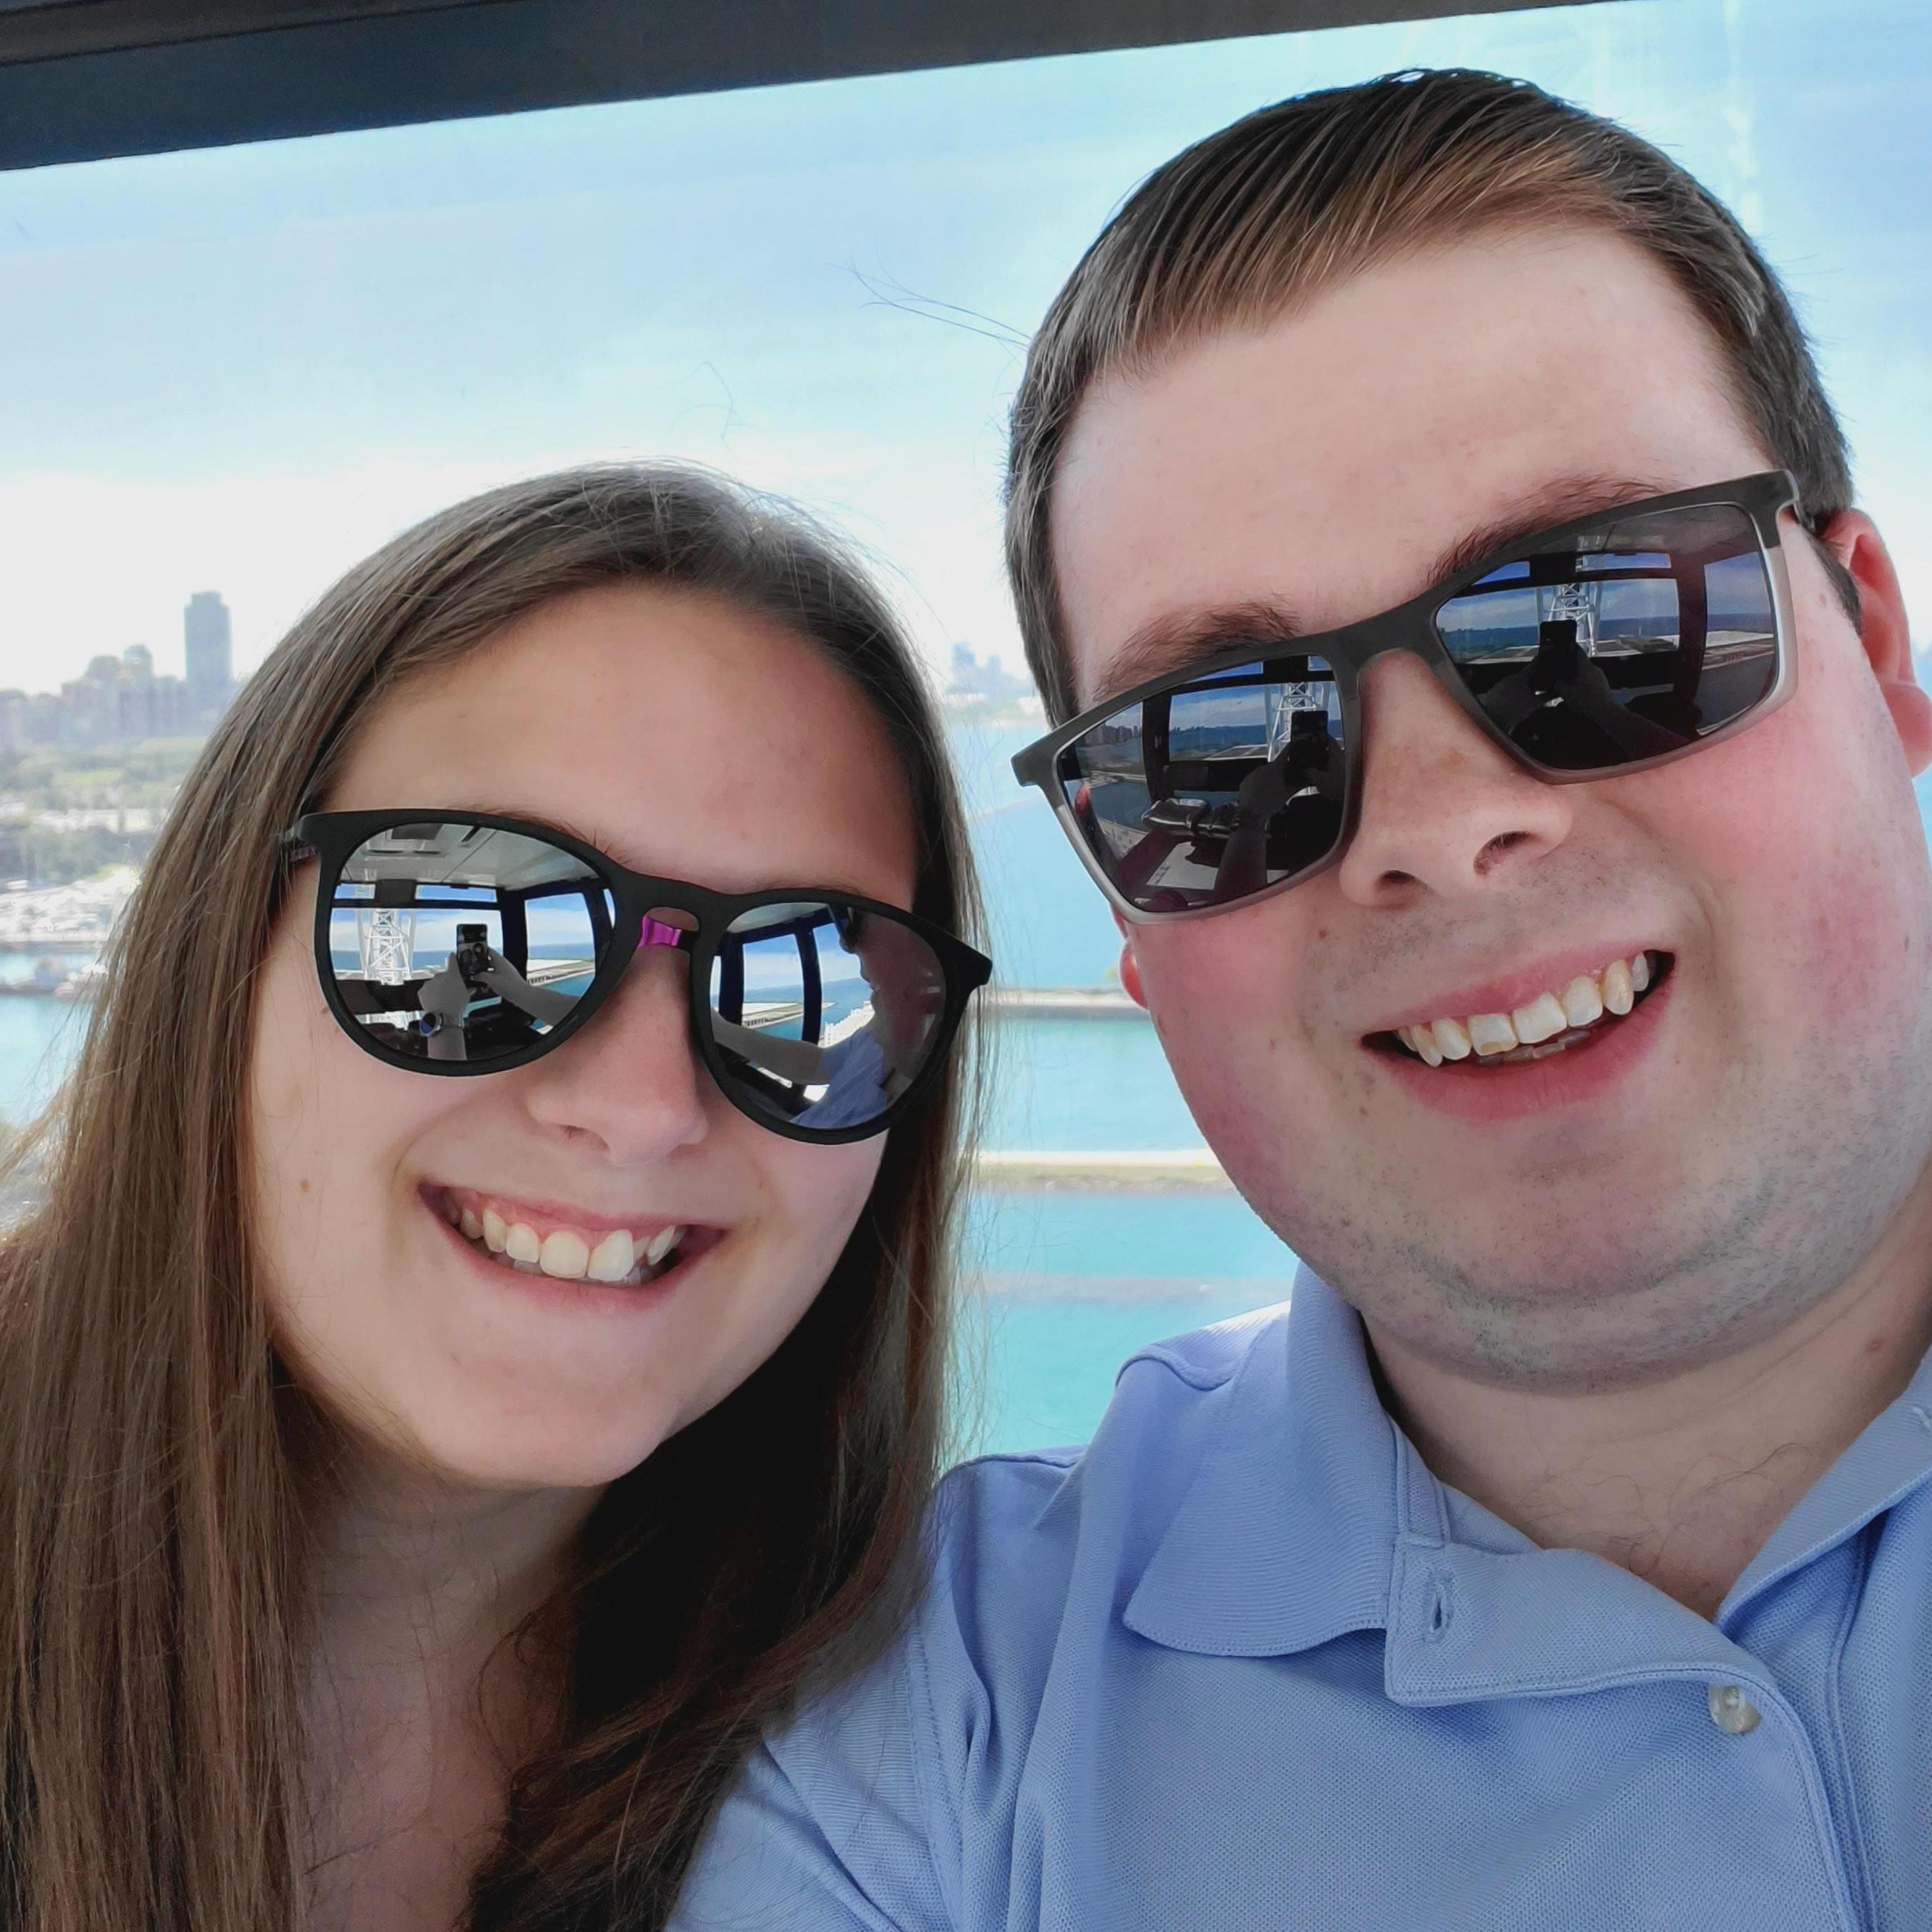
(1695, 1177)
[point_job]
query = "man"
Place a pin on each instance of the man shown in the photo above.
(1563, 1557)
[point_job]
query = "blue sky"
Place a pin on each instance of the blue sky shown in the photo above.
(241, 369)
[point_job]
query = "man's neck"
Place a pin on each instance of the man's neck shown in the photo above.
(1682, 1480)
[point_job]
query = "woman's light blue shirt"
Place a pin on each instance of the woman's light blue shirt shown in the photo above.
(1245, 1663)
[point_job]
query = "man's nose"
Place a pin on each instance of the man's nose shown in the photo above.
(1444, 810)
(628, 1087)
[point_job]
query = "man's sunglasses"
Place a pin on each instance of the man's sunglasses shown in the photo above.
(1611, 644)
(453, 943)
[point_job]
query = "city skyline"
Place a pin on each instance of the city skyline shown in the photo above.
(123, 699)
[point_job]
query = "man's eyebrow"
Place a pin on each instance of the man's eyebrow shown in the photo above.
(1565, 499)
(1178, 638)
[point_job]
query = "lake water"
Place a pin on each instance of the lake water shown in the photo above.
(1068, 1283)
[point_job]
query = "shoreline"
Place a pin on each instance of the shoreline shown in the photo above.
(1100, 1171)
(1090, 1002)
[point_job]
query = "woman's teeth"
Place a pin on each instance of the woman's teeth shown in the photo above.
(1548, 1024)
(566, 1253)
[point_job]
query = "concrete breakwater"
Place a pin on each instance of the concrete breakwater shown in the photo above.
(1080, 1002)
(1100, 1171)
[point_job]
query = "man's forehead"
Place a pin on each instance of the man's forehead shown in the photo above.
(1334, 464)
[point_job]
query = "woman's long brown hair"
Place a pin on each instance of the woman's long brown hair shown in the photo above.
(155, 1580)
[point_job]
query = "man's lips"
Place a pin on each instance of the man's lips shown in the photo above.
(1506, 991)
(1577, 1068)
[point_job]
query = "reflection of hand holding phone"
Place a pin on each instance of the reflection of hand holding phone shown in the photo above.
(473, 956)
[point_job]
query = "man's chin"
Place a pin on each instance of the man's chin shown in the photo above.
(1562, 1290)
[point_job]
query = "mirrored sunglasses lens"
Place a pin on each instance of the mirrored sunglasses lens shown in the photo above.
(1624, 644)
(1207, 793)
(826, 1013)
(451, 942)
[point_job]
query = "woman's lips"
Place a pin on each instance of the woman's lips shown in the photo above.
(566, 1245)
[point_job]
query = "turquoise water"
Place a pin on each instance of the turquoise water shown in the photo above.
(38, 1037)
(1075, 1083)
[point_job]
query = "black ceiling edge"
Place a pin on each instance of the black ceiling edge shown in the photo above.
(387, 65)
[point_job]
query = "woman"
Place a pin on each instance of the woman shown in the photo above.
(420, 1487)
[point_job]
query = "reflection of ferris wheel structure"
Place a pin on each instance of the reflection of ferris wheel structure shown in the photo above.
(1287, 703)
(385, 938)
(1577, 603)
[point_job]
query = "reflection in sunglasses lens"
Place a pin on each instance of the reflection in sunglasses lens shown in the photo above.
(1624, 644)
(452, 942)
(824, 1013)
(1211, 791)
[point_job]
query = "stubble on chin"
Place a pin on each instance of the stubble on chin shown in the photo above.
(1778, 1199)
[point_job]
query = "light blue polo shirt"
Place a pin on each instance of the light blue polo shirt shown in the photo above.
(1244, 1662)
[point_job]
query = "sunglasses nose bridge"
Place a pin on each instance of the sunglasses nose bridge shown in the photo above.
(656, 931)
(1406, 633)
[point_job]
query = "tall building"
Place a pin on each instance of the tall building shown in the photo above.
(211, 655)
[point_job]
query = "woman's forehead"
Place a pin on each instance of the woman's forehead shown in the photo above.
(679, 733)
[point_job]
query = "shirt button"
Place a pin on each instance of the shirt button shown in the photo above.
(1731, 1711)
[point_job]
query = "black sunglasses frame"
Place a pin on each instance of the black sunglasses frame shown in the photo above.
(1411, 628)
(332, 838)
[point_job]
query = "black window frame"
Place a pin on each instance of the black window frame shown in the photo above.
(85, 80)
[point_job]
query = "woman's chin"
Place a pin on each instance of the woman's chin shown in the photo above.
(490, 1453)
(500, 1459)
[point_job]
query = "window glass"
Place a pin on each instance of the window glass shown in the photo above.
(228, 374)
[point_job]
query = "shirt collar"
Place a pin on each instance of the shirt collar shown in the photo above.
(1283, 1537)
(1311, 1515)
(1890, 1457)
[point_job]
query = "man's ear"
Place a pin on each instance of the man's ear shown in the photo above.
(1853, 538)
(1130, 967)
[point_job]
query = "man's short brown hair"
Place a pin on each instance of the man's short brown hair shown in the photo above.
(1237, 230)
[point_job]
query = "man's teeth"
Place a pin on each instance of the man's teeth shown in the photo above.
(1581, 1004)
(564, 1252)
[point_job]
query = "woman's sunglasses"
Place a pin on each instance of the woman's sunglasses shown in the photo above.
(1612, 644)
(452, 943)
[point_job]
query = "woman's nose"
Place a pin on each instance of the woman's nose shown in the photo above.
(629, 1081)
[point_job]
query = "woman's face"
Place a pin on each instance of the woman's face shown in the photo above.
(687, 739)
